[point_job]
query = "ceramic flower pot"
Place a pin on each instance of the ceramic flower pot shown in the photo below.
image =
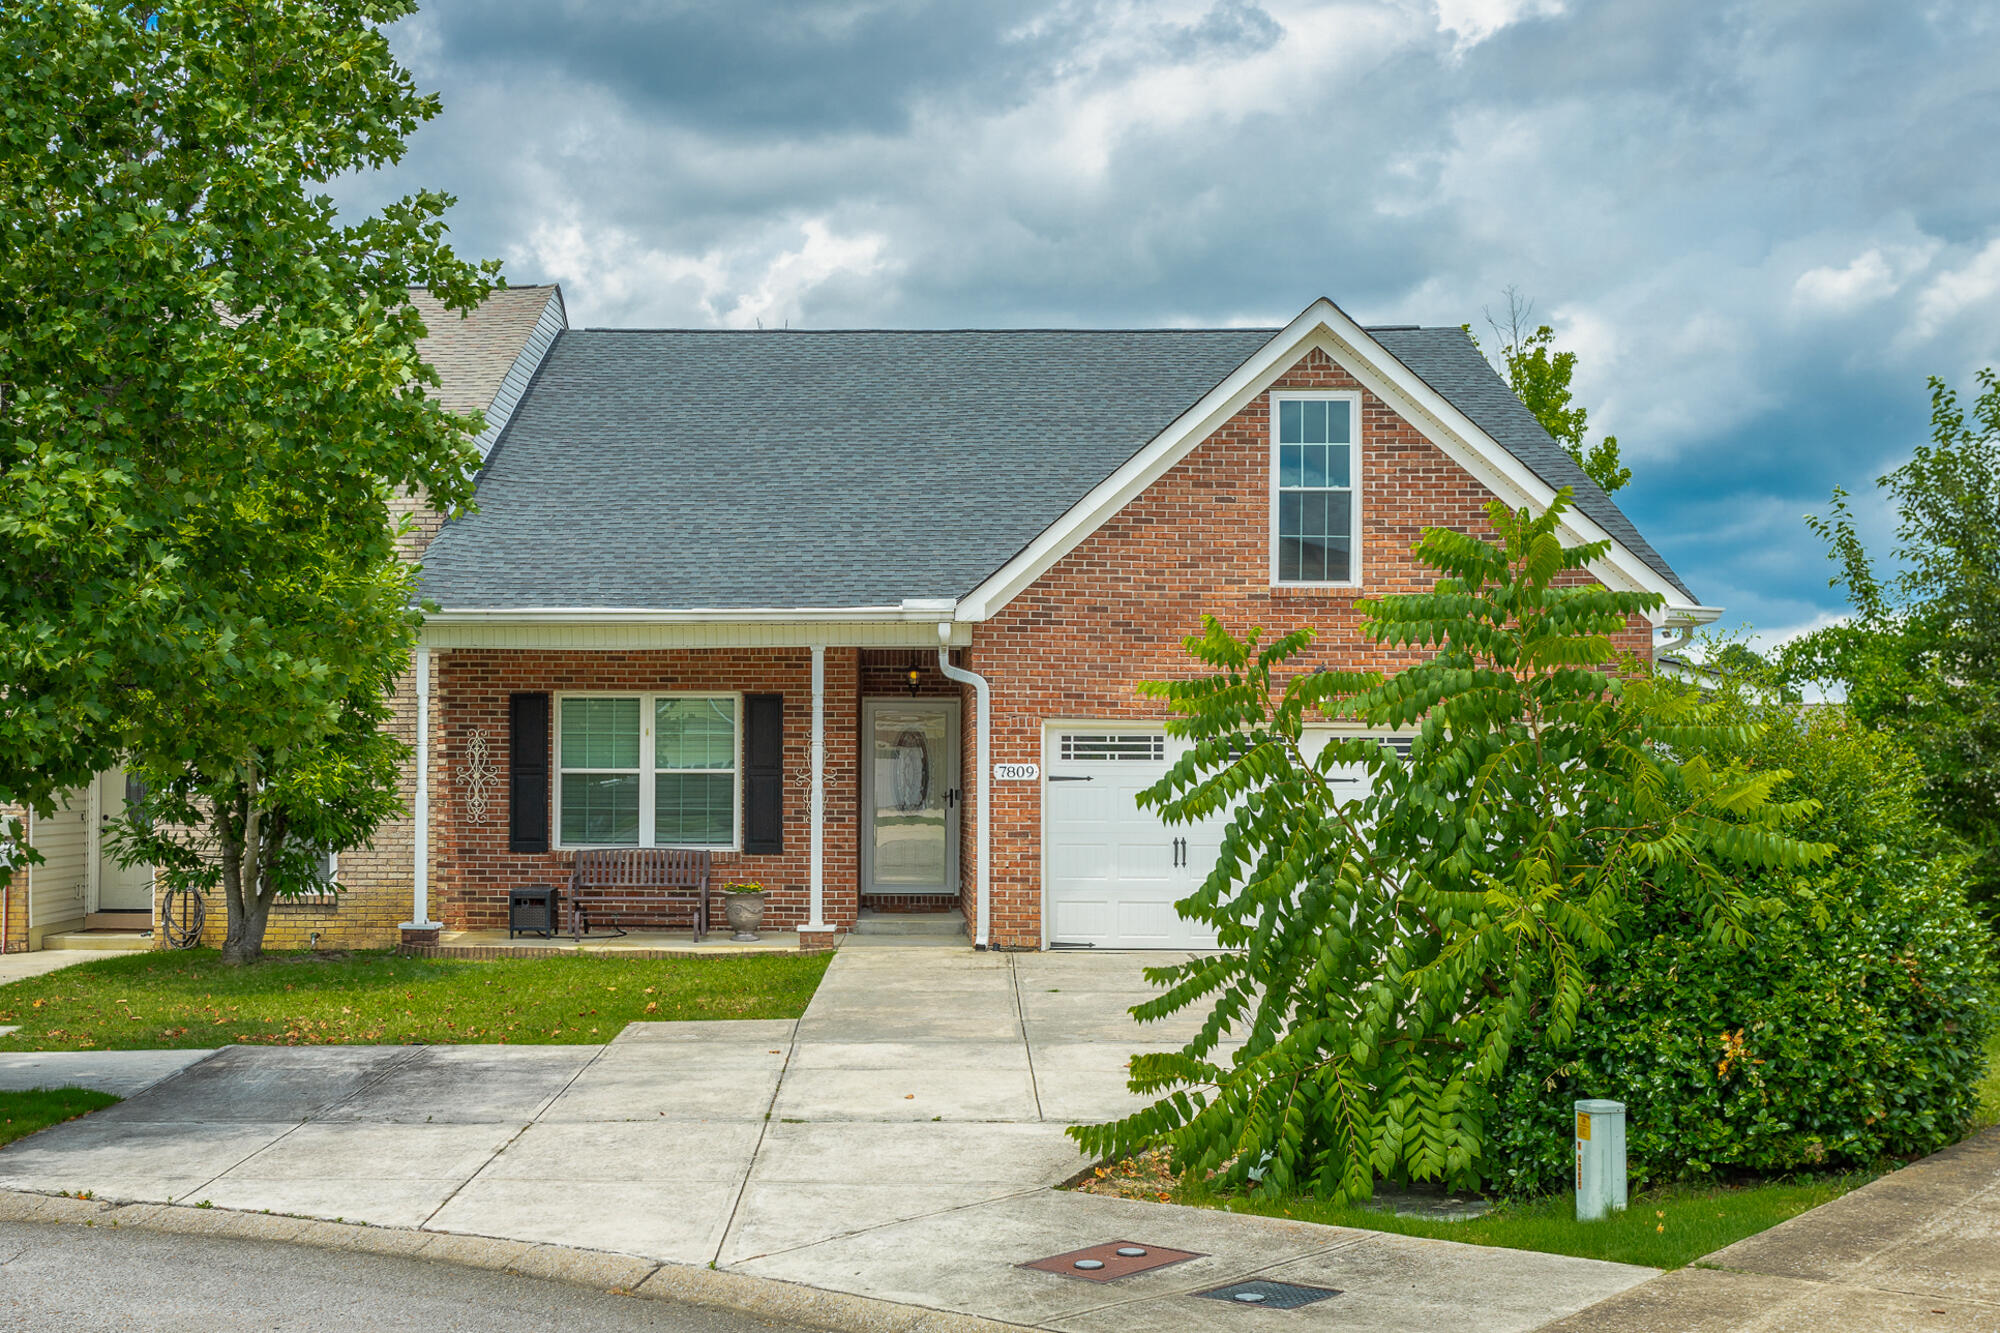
(744, 912)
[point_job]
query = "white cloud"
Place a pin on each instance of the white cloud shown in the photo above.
(608, 271)
(1867, 280)
(1951, 294)
(1473, 21)
(1872, 276)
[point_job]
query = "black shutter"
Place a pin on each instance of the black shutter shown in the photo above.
(527, 772)
(764, 773)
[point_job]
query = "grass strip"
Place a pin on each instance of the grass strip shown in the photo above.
(1669, 1227)
(23, 1113)
(182, 1000)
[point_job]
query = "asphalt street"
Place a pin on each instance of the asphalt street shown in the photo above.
(78, 1279)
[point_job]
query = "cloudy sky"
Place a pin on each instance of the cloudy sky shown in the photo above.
(1760, 224)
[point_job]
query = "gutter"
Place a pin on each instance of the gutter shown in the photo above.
(983, 697)
(910, 609)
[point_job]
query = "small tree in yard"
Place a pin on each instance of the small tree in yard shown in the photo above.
(213, 394)
(1385, 955)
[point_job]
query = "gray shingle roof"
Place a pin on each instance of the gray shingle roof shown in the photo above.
(683, 469)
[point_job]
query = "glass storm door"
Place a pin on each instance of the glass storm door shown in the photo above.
(909, 790)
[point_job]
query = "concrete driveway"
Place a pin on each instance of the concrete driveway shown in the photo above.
(898, 1141)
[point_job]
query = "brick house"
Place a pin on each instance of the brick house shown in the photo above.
(864, 613)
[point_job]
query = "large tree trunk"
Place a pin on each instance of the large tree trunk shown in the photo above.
(249, 842)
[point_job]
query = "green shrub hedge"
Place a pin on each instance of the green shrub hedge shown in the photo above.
(1853, 1029)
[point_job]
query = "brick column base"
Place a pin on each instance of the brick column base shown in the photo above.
(819, 941)
(420, 937)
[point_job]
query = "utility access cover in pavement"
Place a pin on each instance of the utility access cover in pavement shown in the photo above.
(1110, 1261)
(1269, 1295)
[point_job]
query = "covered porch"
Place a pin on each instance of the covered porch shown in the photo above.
(831, 762)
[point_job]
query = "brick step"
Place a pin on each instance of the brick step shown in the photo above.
(118, 921)
(909, 923)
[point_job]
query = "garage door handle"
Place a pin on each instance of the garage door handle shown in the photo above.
(1065, 777)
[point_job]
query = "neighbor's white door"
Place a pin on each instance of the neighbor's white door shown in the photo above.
(117, 888)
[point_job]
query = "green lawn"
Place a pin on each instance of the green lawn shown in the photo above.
(1665, 1228)
(163, 1000)
(1989, 1086)
(22, 1113)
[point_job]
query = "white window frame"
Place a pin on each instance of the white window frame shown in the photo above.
(647, 770)
(1354, 480)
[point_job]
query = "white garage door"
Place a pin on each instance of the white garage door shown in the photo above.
(1116, 870)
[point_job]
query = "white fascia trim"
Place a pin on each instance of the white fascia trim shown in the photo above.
(1325, 326)
(915, 613)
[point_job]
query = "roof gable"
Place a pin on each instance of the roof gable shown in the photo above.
(1498, 462)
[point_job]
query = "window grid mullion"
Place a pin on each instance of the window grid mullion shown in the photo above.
(647, 758)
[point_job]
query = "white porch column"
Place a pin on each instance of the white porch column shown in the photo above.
(420, 861)
(818, 805)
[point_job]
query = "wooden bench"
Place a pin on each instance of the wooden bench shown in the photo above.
(621, 870)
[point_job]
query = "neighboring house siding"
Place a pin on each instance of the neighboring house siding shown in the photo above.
(58, 883)
(1112, 613)
(472, 867)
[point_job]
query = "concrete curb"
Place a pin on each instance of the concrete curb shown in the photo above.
(618, 1274)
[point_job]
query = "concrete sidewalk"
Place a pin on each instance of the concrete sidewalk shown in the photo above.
(898, 1142)
(1916, 1249)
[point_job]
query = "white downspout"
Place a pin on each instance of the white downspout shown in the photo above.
(420, 861)
(983, 713)
(818, 799)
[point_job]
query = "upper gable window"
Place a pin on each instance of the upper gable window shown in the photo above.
(1315, 484)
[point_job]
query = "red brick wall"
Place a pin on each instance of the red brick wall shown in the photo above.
(1113, 612)
(473, 868)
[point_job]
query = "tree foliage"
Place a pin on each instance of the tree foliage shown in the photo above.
(1920, 653)
(1383, 956)
(1850, 1029)
(1540, 377)
(214, 391)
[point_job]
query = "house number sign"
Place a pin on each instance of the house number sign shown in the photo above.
(1017, 772)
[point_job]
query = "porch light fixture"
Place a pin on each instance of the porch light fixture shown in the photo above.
(914, 678)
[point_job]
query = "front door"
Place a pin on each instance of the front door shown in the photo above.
(119, 888)
(910, 796)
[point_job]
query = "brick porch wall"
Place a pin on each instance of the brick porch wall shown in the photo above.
(1113, 612)
(17, 889)
(472, 867)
